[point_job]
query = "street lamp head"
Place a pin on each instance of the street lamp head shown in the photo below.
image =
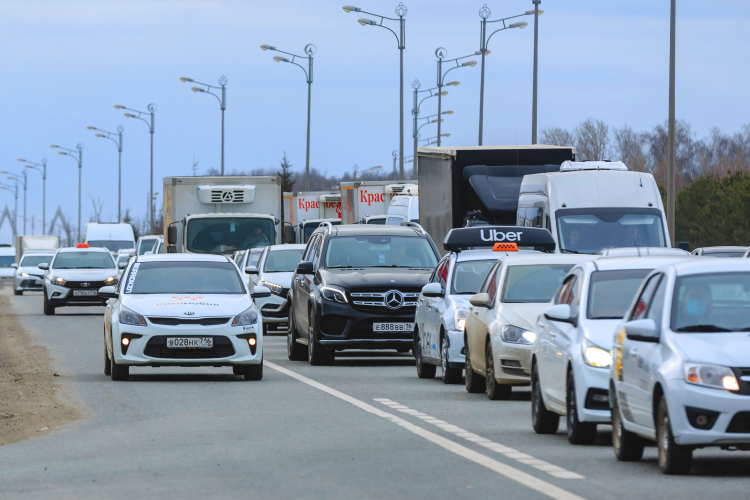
(54, 146)
(531, 12)
(20, 159)
(62, 153)
(366, 22)
(351, 8)
(128, 115)
(445, 135)
(197, 89)
(27, 166)
(416, 84)
(479, 52)
(185, 79)
(267, 47)
(449, 112)
(91, 128)
(519, 24)
(101, 135)
(280, 59)
(444, 93)
(120, 106)
(469, 63)
(454, 83)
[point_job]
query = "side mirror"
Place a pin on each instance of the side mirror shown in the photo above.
(148, 252)
(260, 292)
(131, 253)
(288, 234)
(433, 290)
(14, 266)
(480, 300)
(559, 312)
(251, 270)
(172, 235)
(122, 265)
(305, 268)
(43, 266)
(684, 245)
(642, 330)
(108, 292)
(171, 248)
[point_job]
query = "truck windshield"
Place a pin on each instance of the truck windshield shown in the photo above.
(7, 260)
(111, 245)
(590, 230)
(379, 251)
(312, 226)
(225, 235)
(184, 278)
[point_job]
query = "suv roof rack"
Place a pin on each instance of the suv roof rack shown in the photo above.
(327, 224)
(414, 225)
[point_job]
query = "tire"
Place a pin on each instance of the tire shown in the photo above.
(49, 310)
(424, 370)
(294, 350)
(253, 372)
(119, 373)
(450, 375)
(673, 458)
(543, 420)
(316, 354)
(107, 365)
(628, 446)
(474, 382)
(578, 432)
(495, 391)
(238, 370)
(17, 292)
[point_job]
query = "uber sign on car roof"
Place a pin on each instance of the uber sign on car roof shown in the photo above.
(465, 238)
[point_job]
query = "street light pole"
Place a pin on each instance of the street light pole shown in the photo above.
(440, 53)
(222, 104)
(118, 143)
(671, 188)
(537, 12)
(43, 171)
(76, 154)
(415, 113)
(401, 40)
(310, 50)
(151, 110)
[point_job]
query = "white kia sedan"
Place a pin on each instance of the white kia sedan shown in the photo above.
(182, 310)
(681, 370)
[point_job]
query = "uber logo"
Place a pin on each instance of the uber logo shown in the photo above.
(495, 235)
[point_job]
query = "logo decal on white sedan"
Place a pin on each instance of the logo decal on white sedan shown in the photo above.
(189, 313)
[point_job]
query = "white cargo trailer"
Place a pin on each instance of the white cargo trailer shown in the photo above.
(366, 198)
(304, 211)
(36, 243)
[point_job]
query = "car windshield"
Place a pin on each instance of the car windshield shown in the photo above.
(83, 260)
(184, 278)
(147, 246)
(282, 261)
(533, 283)
(34, 260)
(111, 245)
(310, 228)
(380, 251)
(611, 292)
(712, 303)
(591, 230)
(123, 258)
(469, 275)
(225, 235)
(380, 221)
(7, 260)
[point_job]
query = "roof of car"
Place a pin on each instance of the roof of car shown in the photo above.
(84, 249)
(532, 258)
(38, 252)
(641, 251)
(376, 230)
(488, 253)
(182, 257)
(297, 246)
(622, 263)
(707, 266)
(737, 249)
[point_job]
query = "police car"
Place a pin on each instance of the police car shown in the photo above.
(443, 305)
(75, 275)
(182, 310)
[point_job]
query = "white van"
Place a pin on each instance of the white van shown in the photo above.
(404, 207)
(593, 205)
(112, 236)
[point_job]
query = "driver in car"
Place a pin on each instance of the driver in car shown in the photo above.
(255, 239)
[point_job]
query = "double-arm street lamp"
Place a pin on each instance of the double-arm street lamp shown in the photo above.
(401, 40)
(15, 178)
(440, 53)
(415, 113)
(222, 103)
(484, 40)
(151, 110)
(76, 154)
(41, 168)
(427, 141)
(13, 187)
(118, 142)
(310, 50)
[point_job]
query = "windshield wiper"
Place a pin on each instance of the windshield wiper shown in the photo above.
(702, 328)
(607, 317)
(569, 251)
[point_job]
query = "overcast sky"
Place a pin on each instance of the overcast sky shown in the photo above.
(67, 62)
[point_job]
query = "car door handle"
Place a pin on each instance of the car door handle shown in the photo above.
(633, 352)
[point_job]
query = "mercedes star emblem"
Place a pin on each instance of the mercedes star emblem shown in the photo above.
(394, 299)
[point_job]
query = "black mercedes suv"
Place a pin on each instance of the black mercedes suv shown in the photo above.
(357, 288)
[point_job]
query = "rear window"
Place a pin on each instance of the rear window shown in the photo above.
(83, 260)
(611, 292)
(533, 283)
(183, 278)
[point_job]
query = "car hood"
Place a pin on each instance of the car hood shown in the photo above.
(283, 279)
(174, 305)
(462, 301)
(84, 274)
(601, 331)
(376, 277)
(522, 315)
(728, 349)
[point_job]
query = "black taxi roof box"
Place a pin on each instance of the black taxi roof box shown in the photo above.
(465, 238)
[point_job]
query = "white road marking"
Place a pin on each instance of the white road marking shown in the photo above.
(550, 469)
(512, 473)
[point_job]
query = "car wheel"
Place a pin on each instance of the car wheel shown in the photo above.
(316, 354)
(107, 365)
(474, 382)
(424, 370)
(294, 350)
(627, 445)
(543, 420)
(578, 432)
(119, 373)
(494, 390)
(450, 375)
(673, 458)
(49, 310)
(17, 292)
(253, 372)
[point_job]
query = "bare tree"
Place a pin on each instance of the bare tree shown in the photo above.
(629, 148)
(592, 140)
(195, 165)
(67, 225)
(557, 136)
(97, 205)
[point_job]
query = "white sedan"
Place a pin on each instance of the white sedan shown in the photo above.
(182, 310)
(681, 370)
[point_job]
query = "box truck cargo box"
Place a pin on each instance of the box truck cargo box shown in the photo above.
(361, 199)
(35, 242)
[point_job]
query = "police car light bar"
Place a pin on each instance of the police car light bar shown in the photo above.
(465, 238)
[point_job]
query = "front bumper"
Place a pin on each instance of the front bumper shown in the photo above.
(512, 362)
(591, 385)
(32, 283)
(62, 296)
(275, 311)
(456, 355)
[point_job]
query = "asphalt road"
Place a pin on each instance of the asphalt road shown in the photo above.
(364, 428)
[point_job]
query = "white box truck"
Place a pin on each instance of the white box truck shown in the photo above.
(214, 214)
(35, 243)
(362, 199)
(304, 211)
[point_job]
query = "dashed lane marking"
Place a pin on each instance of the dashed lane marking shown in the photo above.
(509, 472)
(550, 469)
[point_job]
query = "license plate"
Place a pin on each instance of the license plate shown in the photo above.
(393, 327)
(84, 293)
(190, 342)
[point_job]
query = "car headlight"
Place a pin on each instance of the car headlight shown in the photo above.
(128, 317)
(717, 377)
(56, 280)
(247, 317)
(594, 355)
(517, 335)
(25, 275)
(334, 294)
(459, 318)
(112, 280)
(274, 287)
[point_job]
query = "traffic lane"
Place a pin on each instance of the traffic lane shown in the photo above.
(509, 423)
(202, 432)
